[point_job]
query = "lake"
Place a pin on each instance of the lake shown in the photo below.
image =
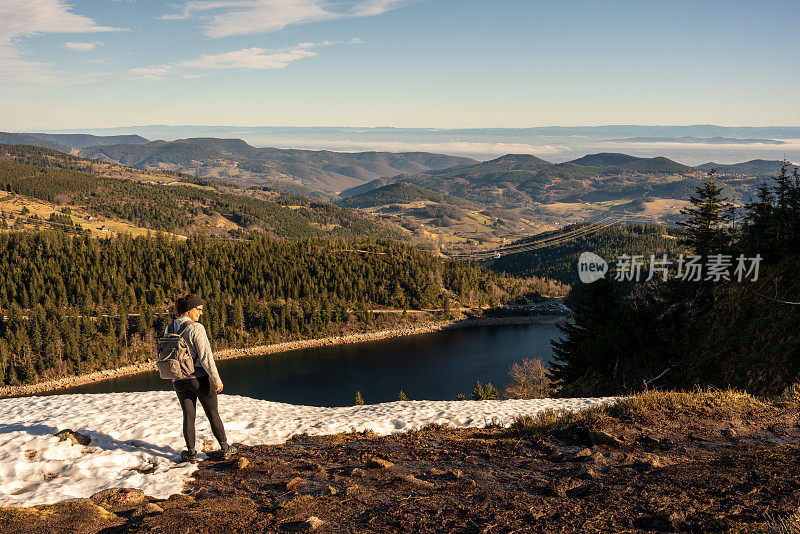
(433, 366)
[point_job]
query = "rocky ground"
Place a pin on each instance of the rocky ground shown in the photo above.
(659, 462)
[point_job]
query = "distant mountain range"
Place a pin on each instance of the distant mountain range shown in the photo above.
(508, 181)
(453, 203)
(609, 131)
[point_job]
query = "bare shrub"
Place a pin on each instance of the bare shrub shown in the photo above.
(529, 380)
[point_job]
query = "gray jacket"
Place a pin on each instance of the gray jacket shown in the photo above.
(197, 339)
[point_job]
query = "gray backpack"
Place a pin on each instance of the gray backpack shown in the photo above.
(174, 359)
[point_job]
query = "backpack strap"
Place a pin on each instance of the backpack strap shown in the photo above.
(184, 327)
(179, 332)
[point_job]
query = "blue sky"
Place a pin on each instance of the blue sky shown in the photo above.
(427, 63)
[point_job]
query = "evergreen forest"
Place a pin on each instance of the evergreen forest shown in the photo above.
(76, 304)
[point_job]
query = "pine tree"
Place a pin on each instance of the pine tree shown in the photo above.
(580, 348)
(704, 230)
(401, 396)
(481, 392)
(359, 400)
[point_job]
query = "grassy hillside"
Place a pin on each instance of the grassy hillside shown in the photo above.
(177, 207)
(235, 161)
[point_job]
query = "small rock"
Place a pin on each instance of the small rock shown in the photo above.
(117, 499)
(646, 462)
(414, 481)
(204, 493)
(588, 472)
(295, 483)
(314, 522)
(677, 517)
(358, 473)
(546, 447)
(599, 437)
(312, 466)
(379, 463)
(598, 458)
(153, 508)
(310, 524)
(148, 509)
(583, 455)
(351, 490)
(242, 463)
(436, 472)
(75, 437)
(330, 490)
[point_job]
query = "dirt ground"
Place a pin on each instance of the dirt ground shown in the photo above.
(683, 469)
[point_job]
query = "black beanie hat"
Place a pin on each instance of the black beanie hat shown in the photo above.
(188, 302)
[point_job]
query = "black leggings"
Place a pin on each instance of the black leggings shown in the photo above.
(189, 391)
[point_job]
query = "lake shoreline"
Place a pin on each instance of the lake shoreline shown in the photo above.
(411, 329)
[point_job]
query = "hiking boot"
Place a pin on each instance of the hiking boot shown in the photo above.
(228, 453)
(189, 456)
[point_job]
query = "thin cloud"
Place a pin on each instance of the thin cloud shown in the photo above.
(83, 46)
(249, 59)
(155, 72)
(36, 17)
(224, 18)
(245, 59)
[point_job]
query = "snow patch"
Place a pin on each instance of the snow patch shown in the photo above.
(137, 437)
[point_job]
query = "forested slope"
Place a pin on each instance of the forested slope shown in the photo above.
(69, 298)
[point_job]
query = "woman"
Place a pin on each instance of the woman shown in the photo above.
(204, 383)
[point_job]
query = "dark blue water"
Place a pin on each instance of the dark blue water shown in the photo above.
(435, 366)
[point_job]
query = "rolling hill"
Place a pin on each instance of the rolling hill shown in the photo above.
(519, 194)
(755, 167)
(86, 140)
(237, 162)
(515, 179)
(67, 142)
(8, 138)
(43, 187)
